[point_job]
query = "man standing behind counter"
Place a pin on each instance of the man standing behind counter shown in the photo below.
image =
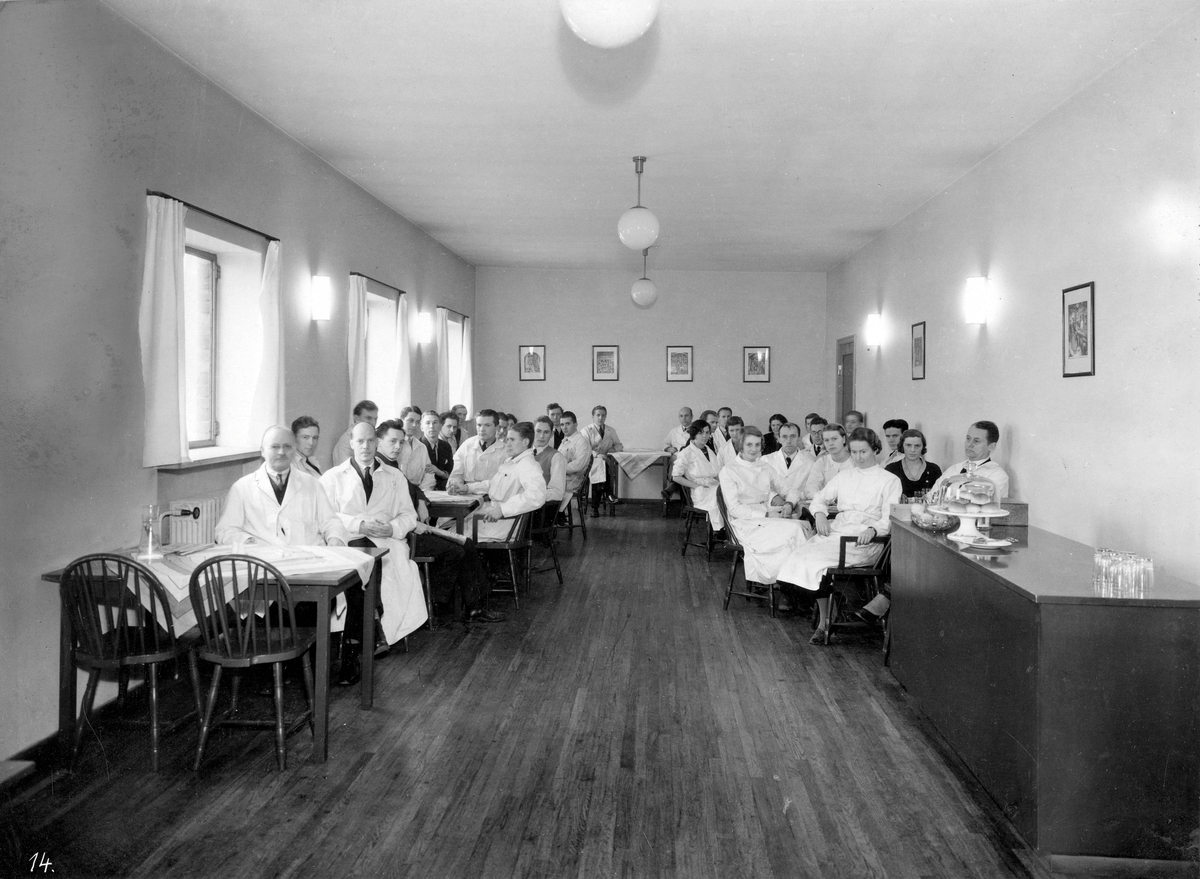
(981, 440)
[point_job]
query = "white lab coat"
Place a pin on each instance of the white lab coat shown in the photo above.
(577, 451)
(748, 488)
(678, 437)
(416, 463)
(252, 515)
(989, 469)
(864, 499)
(822, 473)
(400, 591)
(518, 487)
(697, 466)
(792, 478)
(474, 466)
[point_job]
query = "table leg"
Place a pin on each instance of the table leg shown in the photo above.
(66, 679)
(321, 694)
(370, 594)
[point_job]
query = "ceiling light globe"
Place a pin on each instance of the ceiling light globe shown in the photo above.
(638, 228)
(609, 24)
(644, 292)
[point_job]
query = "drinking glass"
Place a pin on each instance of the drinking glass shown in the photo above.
(149, 526)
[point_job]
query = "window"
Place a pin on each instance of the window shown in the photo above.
(201, 276)
(382, 306)
(223, 329)
(454, 336)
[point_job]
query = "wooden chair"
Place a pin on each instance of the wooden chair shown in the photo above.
(246, 618)
(515, 542)
(739, 553)
(851, 583)
(691, 515)
(422, 562)
(543, 530)
(120, 618)
(581, 502)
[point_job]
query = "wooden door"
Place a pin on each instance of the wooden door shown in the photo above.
(845, 377)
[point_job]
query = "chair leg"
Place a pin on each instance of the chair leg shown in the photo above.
(306, 668)
(771, 597)
(554, 557)
(234, 685)
(710, 538)
(85, 713)
(687, 534)
(512, 569)
(425, 581)
(732, 579)
(194, 673)
(582, 515)
(207, 717)
(122, 687)
(280, 741)
(152, 682)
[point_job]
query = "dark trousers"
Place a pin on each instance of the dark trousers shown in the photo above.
(455, 571)
(354, 602)
(609, 486)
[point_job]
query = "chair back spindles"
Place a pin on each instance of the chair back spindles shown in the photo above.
(244, 608)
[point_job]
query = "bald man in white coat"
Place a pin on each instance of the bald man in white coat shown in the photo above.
(384, 519)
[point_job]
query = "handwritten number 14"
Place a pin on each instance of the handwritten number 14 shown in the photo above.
(40, 859)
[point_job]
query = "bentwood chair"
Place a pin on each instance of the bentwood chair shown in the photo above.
(739, 553)
(120, 618)
(244, 609)
(543, 531)
(855, 585)
(515, 543)
(692, 514)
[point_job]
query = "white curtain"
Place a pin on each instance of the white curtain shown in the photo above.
(442, 337)
(468, 379)
(160, 327)
(403, 393)
(356, 343)
(267, 408)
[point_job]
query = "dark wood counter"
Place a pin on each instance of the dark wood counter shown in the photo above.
(1079, 714)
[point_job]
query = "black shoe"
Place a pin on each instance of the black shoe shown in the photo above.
(435, 624)
(867, 617)
(561, 520)
(485, 616)
(382, 648)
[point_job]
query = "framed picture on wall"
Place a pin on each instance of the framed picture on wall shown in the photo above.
(918, 351)
(531, 363)
(606, 363)
(1079, 330)
(679, 363)
(756, 363)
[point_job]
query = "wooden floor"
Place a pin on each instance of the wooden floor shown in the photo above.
(620, 725)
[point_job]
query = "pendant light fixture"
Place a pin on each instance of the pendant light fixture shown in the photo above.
(638, 227)
(644, 290)
(608, 24)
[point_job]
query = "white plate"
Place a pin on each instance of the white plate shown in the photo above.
(992, 514)
(987, 543)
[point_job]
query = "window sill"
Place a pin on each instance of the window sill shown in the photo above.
(211, 457)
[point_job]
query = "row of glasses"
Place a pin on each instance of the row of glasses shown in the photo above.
(1121, 574)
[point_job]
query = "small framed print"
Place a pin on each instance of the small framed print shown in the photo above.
(606, 363)
(756, 363)
(679, 363)
(1079, 330)
(531, 363)
(918, 351)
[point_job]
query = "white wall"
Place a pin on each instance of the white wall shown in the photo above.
(715, 312)
(94, 114)
(1105, 190)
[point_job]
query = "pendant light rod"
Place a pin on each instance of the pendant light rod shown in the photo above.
(638, 162)
(645, 253)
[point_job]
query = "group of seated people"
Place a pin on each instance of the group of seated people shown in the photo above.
(783, 488)
(374, 494)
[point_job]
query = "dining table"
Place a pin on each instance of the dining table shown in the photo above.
(321, 587)
(443, 505)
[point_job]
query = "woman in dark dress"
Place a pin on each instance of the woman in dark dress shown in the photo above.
(916, 474)
(771, 441)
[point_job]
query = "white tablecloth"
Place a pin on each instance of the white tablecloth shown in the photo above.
(634, 461)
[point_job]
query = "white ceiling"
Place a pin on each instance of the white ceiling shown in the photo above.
(781, 135)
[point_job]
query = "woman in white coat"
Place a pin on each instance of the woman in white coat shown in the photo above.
(864, 496)
(696, 468)
(759, 515)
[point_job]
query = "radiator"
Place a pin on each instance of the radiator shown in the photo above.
(187, 529)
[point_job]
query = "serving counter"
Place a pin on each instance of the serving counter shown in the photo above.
(1078, 714)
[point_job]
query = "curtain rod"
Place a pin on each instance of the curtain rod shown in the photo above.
(381, 283)
(459, 313)
(192, 207)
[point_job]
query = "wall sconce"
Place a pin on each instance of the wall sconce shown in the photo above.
(874, 332)
(321, 296)
(975, 302)
(424, 328)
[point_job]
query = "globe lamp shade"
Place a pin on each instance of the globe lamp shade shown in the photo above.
(638, 228)
(644, 292)
(609, 24)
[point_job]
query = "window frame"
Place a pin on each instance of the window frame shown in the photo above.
(214, 427)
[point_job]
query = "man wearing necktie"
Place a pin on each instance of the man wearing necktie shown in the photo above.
(374, 506)
(604, 440)
(791, 464)
(980, 444)
(307, 433)
(555, 413)
(277, 504)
